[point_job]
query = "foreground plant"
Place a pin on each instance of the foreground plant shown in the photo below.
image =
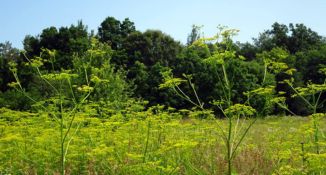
(66, 99)
(236, 114)
(312, 96)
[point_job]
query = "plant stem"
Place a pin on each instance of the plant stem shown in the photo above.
(227, 85)
(316, 139)
(147, 140)
(228, 144)
(62, 133)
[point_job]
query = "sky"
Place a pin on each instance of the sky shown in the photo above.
(174, 17)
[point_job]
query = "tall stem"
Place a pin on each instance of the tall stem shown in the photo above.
(147, 140)
(227, 85)
(228, 144)
(62, 138)
(316, 136)
(265, 73)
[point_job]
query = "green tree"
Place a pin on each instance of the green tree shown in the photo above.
(8, 97)
(247, 50)
(151, 47)
(144, 55)
(127, 27)
(7, 54)
(294, 38)
(276, 37)
(109, 32)
(65, 40)
(113, 32)
(309, 63)
(303, 38)
(194, 34)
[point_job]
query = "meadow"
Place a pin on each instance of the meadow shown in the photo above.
(157, 142)
(129, 102)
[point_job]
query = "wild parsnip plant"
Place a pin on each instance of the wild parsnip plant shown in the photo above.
(69, 91)
(236, 114)
(311, 95)
(56, 106)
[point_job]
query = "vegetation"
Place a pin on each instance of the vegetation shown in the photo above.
(157, 142)
(128, 102)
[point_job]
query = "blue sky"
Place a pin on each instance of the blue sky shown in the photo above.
(174, 17)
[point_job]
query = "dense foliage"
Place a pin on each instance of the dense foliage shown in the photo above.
(143, 56)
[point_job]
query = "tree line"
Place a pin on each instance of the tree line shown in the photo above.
(132, 62)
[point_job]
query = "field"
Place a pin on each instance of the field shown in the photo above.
(156, 142)
(126, 102)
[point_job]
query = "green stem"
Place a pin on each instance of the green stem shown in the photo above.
(62, 138)
(227, 85)
(181, 94)
(228, 144)
(286, 108)
(242, 137)
(304, 99)
(147, 140)
(194, 90)
(318, 98)
(265, 73)
(316, 136)
(223, 88)
(67, 147)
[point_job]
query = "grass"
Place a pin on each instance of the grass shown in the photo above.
(159, 144)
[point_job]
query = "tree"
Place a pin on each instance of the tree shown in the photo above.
(144, 55)
(151, 47)
(109, 32)
(294, 38)
(9, 98)
(65, 40)
(7, 54)
(194, 34)
(32, 45)
(309, 63)
(247, 50)
(276, 37)
(113, 32)
(303, 38)
(127, 27)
